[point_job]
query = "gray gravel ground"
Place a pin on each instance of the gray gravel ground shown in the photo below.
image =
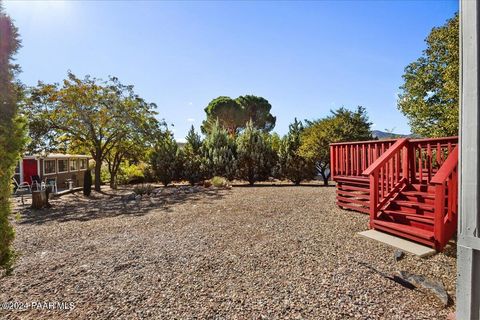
(264, 252)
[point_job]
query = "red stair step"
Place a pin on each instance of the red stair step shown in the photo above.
(419, 194)
(427, 219)
(413, 204)
(405, 230)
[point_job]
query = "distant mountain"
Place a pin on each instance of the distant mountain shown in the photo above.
(390, 135)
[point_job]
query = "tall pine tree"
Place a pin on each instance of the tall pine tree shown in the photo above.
(255, 155)
(293, 166)
(12, 131)
(193, 159)
(220, 153)
(164, 159)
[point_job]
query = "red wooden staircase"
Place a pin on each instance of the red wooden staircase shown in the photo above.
(407, 186)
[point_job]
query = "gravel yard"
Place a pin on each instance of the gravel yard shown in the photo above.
(270, 252)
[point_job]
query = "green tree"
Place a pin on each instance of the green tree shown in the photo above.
(343, 125)
(275, 142)
(233, 115)
(12, 131)
(219, 152)
(255, 155)
(193, 163)
(133, 148)
(293, 165)
(429, 95)
(227, 111)
(164, 158)
(88, 114)
(257, 109)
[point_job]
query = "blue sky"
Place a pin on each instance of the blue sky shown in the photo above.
(304, 57)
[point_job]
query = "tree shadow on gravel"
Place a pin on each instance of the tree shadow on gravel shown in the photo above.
(282, 185)
(76, 207)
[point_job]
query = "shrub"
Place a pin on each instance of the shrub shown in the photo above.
(255, 155)
(193, 162)
(87, 183)
(131, 173)
(219, 153)
(143, 189)
(164, 159)
(219, 182)
(292, 165)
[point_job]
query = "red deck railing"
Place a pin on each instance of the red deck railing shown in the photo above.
(352, 158)
(446, 199)
(429, 156)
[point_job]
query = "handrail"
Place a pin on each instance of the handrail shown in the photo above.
(362, 142)
(452, 138)
(386, 156)
(447, 167)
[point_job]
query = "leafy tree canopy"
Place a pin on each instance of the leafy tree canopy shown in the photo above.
(343, 125)
(429, 95)
(89, 114)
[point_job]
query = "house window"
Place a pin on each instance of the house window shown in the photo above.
(50, 166)
(83, 164)
(62, 165)
(73, 164)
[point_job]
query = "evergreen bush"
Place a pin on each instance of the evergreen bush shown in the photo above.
(87, 183)
(293, 166)
(193, 161)
(164, 160)
(219, 152)
(12, 133)
(255, 155)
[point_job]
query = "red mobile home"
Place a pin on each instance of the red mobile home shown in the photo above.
(62, 167)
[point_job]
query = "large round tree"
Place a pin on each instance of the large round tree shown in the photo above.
(227, 111)
(429, 96)
(257, 110)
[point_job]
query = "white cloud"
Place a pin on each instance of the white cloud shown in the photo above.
(190, 120)
(190, 103)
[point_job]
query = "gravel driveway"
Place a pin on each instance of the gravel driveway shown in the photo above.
(263, 252)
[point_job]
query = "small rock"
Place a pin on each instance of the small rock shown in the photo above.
(398, 255)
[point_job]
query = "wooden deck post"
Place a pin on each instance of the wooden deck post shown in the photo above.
(405, 160)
